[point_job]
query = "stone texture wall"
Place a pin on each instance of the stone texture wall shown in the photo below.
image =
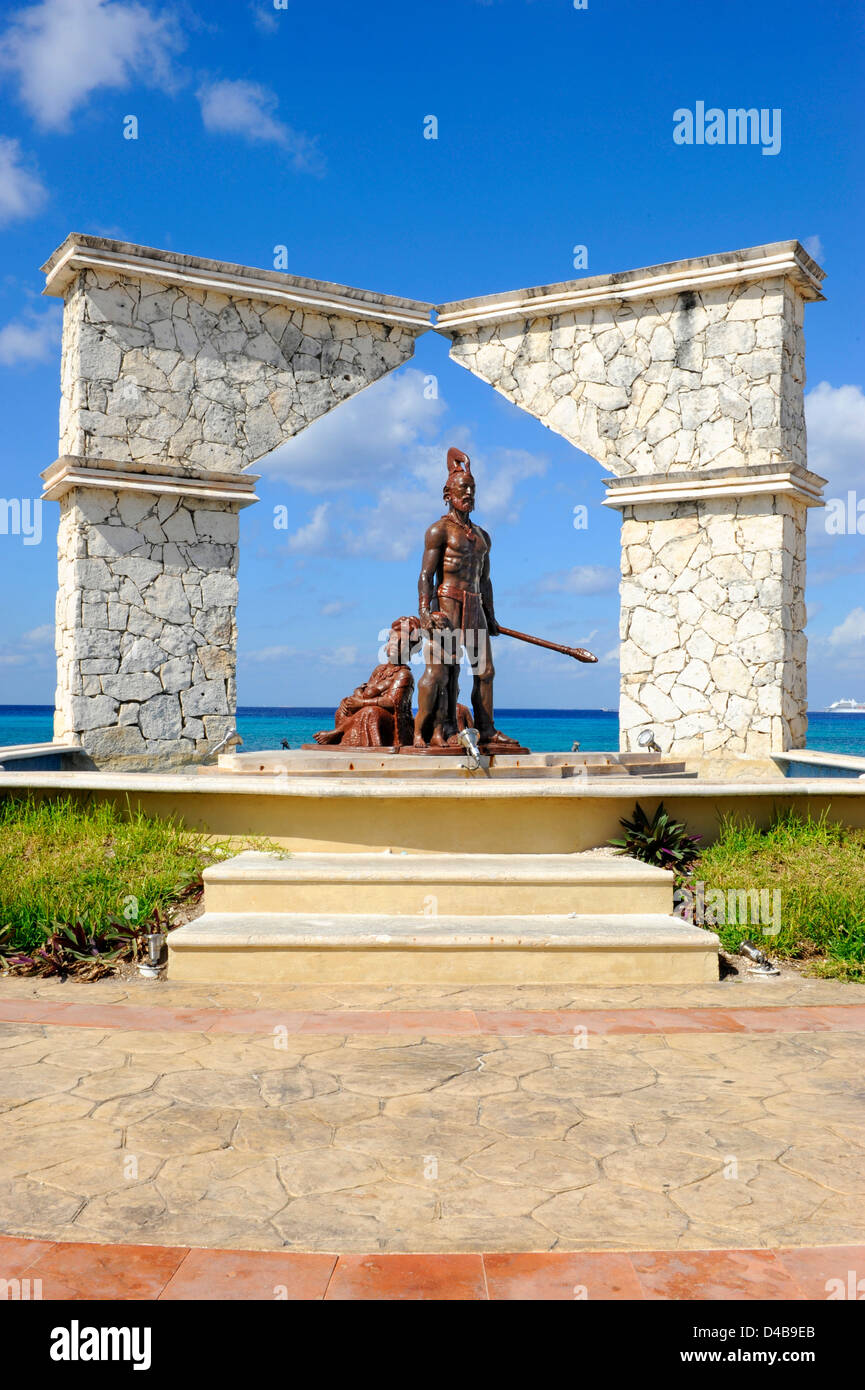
(168, 374)
(695, 385)
(145, 624)
(712, 624)
(676, 384)
(793, 444)
(195, 382)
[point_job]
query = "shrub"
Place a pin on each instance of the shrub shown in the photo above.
(661, 840)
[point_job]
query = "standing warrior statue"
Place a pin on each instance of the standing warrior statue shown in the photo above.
(455, 603)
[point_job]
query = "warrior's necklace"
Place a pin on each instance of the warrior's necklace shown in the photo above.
(465, 527)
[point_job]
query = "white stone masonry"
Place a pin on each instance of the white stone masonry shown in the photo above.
(686, 382)
(177, 374)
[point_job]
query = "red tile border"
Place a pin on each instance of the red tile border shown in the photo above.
(836, 1271)
(428, 1021)
(720, 1275)
(155, 1018)
(19, 1253)
(263, 1275)
(115, 1272)
(256, 1021)
(72, 1272)
(562, 1276)
(344, 1021)
(31, 1010)
(388, 1278)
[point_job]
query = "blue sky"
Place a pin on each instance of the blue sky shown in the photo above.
(303, 126)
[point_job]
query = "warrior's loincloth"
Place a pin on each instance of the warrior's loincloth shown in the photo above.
(471, 611)
(470, 629)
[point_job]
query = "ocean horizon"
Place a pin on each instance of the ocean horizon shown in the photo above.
(543, 730)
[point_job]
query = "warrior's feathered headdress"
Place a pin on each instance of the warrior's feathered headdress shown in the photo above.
(458, 462)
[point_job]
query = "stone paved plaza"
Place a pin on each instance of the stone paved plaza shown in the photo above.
(399, 1120)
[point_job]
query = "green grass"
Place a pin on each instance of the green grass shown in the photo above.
(68, 861)
(819, 868)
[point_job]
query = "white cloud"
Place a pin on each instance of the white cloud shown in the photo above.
(300, 657)
(249, 109)
(835, 416)
(267, 654)
(33, 338)
(336, 607)
(851, 631)
(497, 489)
(40, 636)
(22, 192)
(375, 436)
(392, 528)
(814, 246)
(339, 656)
(581, 579)
(34, 648)
(311, 538)
(264, 18)
(388, 443)
(64, 50)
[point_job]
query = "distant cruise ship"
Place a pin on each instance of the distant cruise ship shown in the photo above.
(847, 707)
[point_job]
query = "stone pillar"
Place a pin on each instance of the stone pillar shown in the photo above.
(686, 382)
(145, 624)
(178, 374)
(712, 620)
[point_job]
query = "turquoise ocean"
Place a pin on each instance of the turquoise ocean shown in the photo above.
(542, 730)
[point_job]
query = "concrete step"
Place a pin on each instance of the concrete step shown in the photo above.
(468, 885)
(603, 949)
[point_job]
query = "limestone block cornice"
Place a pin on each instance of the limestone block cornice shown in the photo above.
(785, 259)
(772, 479)
(73, 471)
(79, 252)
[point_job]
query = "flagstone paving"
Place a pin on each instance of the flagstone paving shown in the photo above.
(687, 1118)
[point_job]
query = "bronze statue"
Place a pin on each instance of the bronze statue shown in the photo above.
(455, 603)
(378, 714)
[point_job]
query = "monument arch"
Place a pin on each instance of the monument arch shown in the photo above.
(178, 373)
(685, 382)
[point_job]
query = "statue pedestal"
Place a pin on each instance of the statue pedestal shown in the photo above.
(488, 750)
(445, 764)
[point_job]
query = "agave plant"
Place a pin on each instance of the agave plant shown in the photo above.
(661, 840)
(73, 948)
